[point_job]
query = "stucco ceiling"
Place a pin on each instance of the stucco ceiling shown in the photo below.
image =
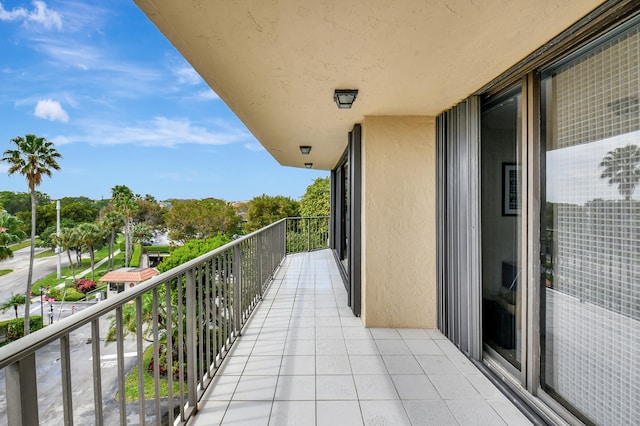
(276, 63)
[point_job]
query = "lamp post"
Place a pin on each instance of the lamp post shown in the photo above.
(41, 307)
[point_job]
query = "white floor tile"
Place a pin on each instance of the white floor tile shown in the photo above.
(414, 387)
(413, 333)
(453, 386)
(247, 413)
(338, 413)
(296, 388)
(367, 364)
(387, 413)
(255, 388)
(393, 347)
(474, 412)
(262, 365)
(374, 387)
(333, 387)
(429, 412)
(298, 365)
(402, 364)
(293, 413)
(436, 364)
(332, 364)
(385, 333)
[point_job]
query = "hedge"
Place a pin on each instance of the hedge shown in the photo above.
(14, 329)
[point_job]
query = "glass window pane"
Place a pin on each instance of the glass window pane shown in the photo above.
(590, 231)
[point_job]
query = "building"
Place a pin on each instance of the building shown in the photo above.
(483, 181)
(126, 278)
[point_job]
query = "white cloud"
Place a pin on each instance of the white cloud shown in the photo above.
(207, 95)
(51, 110)
(254, 146)
(158, 132)
(41, 14)
(187, 75)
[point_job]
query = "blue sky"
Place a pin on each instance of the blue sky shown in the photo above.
(123, 108)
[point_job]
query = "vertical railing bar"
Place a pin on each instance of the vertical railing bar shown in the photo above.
(22, 391)
(199, 323)
(192, 397)
(179, 282)
(237, 256)
(65, 368)
(226, 301)
(141, 414)
(308, 234)
(207, 303)
(169, 333)
(120, 357)
(156, 354)
(97, 372)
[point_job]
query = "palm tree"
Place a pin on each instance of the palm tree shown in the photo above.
(10, 233)
(67, 240)
(111, 222)
(91, 237)
(13, 302)
(621, 167)
(124, 202)
(33, 157)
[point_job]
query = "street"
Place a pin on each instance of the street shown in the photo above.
(48, 358)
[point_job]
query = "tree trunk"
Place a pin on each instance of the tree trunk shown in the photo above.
(92, 257)
(27, 294)
(127, 242)
(73, 269)
(111, 256)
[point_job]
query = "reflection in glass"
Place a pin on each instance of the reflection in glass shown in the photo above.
(501, 193)
(590, 233)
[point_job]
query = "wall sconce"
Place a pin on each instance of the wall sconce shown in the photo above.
(308, 165)
(305, 150)
(345, 97)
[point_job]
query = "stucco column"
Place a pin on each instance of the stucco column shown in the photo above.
(398, 222)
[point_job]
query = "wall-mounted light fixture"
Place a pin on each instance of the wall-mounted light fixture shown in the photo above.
(345, 97)
(305, 149)
(308, 165)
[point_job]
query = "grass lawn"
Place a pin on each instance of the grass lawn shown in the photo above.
(46, 253)
(23, 244)
(131, 382)
(52, 280)
(5, 271)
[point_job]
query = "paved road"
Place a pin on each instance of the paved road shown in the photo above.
(16, 281)
(48, 358)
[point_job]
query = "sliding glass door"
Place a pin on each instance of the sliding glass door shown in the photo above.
(501, 195)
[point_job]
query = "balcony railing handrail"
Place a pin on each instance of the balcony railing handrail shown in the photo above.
(220, 288)
(34, 341)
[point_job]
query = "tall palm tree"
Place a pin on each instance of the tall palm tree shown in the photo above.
(10, 233)
(622, 167)
(91, 237)
(33, 157)
(67, 240)
(124, 202)
(112, 222)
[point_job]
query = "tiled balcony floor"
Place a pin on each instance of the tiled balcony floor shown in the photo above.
(304, 359)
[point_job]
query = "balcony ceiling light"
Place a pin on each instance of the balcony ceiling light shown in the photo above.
(345, 97)
(305, 149)
(308, 165)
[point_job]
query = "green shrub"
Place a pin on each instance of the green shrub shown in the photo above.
(135, 256)
(14, 329)
(71, 294)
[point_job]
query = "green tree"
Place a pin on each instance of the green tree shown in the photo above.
(112, 221)
(150, 212)
(91, 238)
(141, 232)
(263, 210)
(67, 240)
(191, 219)
(316, 201)
(13, 302)
(10, 233)
(14, 202)
(34, 157)
(125, 203)
(622, 167)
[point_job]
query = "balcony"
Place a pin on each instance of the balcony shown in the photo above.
(261, 335)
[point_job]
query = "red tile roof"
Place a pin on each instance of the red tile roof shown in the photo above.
(129, 275)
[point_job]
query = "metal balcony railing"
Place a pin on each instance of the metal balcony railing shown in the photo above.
(183, 323)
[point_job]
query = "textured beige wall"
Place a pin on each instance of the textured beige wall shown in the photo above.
(398, 222)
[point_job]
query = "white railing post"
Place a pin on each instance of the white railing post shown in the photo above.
(22, 394)
(237, 295)
(192, 379)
